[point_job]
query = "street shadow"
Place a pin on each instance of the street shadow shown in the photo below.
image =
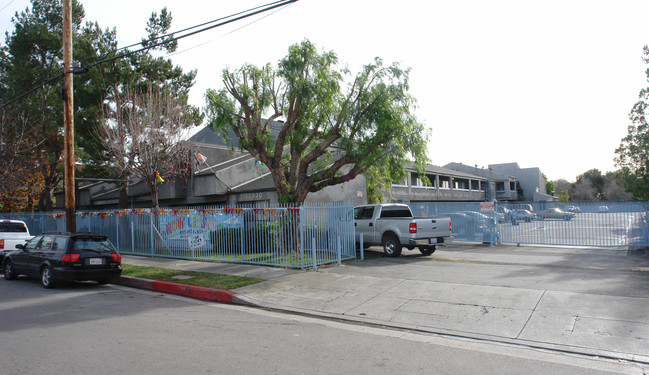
(70, 302)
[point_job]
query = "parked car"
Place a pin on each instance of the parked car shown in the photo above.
(555, 213)
(504, 214)
(64, 256)
(471, 225)
(522, 215)
(603, 209)
(574, 209)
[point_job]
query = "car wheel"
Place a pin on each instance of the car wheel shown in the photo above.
(10, 273)
(566, 218)
(391, 245)
(427, 250)
(46, 278)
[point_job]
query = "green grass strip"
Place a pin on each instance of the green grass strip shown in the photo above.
(204, 279)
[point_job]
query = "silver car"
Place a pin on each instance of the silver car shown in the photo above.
(555, 213)
(522, 215)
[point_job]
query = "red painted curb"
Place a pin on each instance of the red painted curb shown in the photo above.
(196, 292)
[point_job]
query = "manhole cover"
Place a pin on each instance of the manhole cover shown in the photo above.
(182, 277)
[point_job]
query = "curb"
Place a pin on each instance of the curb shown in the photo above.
(196, 292)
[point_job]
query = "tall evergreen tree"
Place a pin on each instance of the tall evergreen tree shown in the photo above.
(32, 58)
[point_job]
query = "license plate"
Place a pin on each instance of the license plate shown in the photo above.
(95, 261)
(432, 240)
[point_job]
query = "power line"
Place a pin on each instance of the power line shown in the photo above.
(202, 24)
(233, 31)
(227, 20)
(5, 7)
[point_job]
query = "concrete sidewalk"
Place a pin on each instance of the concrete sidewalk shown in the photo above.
(592, 302)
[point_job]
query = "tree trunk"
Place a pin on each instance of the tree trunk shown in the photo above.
(45, 201)
(123, 196)
(154, 196)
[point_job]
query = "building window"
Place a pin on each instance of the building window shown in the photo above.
(431, 178)
(444, 182)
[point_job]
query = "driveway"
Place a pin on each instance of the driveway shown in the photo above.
(587, 301)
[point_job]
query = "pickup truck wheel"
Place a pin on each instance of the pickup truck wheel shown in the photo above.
(427, 250)
(10, 273)
(391, 245)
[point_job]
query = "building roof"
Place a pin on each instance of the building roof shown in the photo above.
(482, 172)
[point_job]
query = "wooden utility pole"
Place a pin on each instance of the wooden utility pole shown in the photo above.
(68, 118)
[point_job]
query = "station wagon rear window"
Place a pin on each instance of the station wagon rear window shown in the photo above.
(95, 244)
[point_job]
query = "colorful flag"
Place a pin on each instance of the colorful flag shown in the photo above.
(258, 163)
(201, 158)
(158, 179)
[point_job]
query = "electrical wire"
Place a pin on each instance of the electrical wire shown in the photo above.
(225, 20)
(5, 7)
(228, 33)
(201, 25)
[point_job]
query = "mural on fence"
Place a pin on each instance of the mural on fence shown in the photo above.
(192, 225)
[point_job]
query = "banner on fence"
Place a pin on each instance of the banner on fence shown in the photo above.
(191, 226)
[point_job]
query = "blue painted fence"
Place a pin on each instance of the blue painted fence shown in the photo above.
(286, 236)
(593, 224)
(313, 235)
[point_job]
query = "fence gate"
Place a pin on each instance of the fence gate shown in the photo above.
(595, 224)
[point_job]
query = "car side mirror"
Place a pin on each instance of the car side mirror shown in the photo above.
(20, 246)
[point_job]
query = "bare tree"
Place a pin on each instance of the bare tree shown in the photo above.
(143, 133)
(612, 191)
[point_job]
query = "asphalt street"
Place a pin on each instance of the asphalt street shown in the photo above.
(584, 301)
(85, 328)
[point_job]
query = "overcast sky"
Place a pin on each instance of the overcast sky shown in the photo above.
(545, 84)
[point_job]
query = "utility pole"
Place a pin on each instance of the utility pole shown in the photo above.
(68, 119)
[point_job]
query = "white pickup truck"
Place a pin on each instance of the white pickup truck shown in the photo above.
(392, 226)
(12, 233)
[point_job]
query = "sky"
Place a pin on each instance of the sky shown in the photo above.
(545, 84)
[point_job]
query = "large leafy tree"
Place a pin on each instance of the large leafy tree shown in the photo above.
(32, 56)
(590, 186)
(633, 153)
(334, 126)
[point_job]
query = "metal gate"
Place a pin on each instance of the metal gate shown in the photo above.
(593, 223)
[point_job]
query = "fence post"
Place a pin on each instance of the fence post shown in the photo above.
(339, 251)
(117, 231)
(132, 236)
(151, 230)
(302, 236)
(645, 229)
(362, 248)
(315, 265)
(242, 216)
